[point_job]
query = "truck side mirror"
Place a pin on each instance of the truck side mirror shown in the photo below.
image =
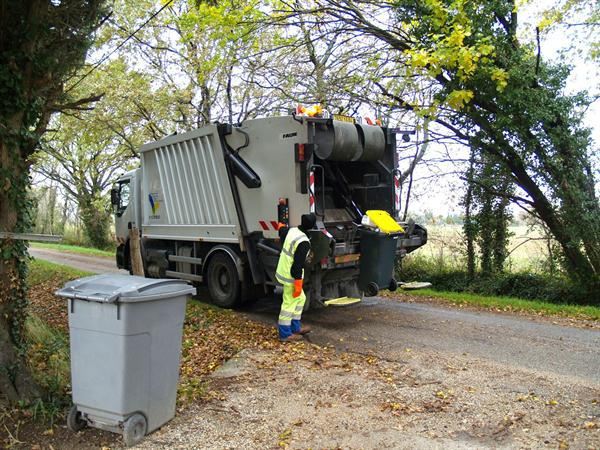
(114, 196)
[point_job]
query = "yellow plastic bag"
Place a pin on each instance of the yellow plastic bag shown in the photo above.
(384, 221)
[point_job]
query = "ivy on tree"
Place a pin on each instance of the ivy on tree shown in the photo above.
(41, 45)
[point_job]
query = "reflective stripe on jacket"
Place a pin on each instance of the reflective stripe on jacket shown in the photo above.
(286, 259)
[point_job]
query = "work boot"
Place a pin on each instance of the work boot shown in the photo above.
(304, 329)
(291, 338)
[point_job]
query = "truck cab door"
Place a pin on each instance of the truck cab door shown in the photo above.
(124, 207)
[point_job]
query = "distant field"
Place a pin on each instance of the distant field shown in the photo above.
(446, 244)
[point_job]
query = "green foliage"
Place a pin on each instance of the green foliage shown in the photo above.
(523, 285)
(490, 215)
(511, 304)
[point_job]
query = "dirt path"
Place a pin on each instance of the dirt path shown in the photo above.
(427, 400)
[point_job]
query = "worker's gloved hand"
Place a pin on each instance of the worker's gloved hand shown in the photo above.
(297, 288)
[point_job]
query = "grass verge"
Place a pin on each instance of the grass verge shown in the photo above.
(48, 358)
(41, 271)
(74, 249)
(508, 304)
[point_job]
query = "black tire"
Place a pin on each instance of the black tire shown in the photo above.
(372, 289)
(134, 429)
(393, 285)
(223, 281)
(75, 421)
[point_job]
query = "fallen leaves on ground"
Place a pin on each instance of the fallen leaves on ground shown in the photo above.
(211, 336)
(48, 307)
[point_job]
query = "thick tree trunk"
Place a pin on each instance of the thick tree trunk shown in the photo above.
(15, 380)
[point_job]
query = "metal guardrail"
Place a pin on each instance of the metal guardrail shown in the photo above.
(30, 237)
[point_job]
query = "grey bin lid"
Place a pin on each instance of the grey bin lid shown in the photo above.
(110, 288)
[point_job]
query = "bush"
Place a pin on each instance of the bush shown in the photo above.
(523, 285)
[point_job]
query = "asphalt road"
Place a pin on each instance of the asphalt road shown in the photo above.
(389, 327)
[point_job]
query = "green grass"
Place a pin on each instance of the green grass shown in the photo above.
(41, 271)
(511, 304)
(74, 249)
(48, 357)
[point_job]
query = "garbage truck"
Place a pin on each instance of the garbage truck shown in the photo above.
(206, 205)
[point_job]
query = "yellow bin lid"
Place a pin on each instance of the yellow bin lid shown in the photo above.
(384, 221)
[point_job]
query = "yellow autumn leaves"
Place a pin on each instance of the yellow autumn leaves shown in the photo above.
(453, 48)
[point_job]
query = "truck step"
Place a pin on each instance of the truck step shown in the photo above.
(183, 275)
(185, 259)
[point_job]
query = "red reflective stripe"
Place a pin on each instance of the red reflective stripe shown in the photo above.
(264, 225)
(311, 197)
(274, 224)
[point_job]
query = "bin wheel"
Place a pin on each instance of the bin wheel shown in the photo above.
(75, 421)
(393, 285)
(134, 429)
(223, 281)
(372, 289)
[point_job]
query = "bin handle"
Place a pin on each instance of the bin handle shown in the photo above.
(91, 298)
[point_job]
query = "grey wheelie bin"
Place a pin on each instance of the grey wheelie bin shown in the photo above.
(377, 260)
(125, 334)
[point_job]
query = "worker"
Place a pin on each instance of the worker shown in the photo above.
(290, 273)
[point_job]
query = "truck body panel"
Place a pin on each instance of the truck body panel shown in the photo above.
(186, 191)
(270, 152)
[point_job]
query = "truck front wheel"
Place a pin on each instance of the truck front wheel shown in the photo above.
(223, 281)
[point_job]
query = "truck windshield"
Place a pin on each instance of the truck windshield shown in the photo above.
(124, 191)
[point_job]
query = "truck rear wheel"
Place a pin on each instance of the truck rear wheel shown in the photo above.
(223, 281)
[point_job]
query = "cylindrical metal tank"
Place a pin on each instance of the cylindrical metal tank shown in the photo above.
(373, 142)
(338, 142)
(343, 141)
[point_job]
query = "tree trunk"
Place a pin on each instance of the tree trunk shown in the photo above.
(469, 225)
(51, 207)
(63, 220)
(15, 380)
